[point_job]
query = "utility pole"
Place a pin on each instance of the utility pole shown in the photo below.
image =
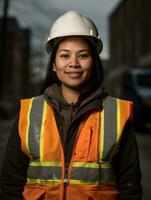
(3, 43)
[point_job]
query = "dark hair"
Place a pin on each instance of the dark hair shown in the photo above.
(95, 79)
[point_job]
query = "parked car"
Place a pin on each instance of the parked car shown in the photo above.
(141, 96)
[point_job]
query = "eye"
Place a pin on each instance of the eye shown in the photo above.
(65, 56)
(84, 55)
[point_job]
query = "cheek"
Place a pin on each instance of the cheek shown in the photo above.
(57, 67)
(88, 68)
(59, 72)
(89, 72)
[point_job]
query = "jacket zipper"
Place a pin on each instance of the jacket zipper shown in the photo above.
(65, 178)
(67, 168)
(73, 151)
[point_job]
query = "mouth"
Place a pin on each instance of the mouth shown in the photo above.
(75, 74)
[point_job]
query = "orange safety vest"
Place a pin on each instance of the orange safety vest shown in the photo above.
(90, 172)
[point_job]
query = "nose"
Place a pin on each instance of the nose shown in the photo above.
(74, 62)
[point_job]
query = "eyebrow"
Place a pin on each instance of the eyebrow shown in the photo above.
(66, 50)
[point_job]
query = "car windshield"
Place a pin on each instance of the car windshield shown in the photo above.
(144, 80)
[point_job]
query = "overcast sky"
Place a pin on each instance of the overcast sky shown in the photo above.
(40, 14)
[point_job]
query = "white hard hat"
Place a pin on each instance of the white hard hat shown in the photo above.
(73, 24)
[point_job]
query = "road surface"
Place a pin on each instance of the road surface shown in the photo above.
(144, 145)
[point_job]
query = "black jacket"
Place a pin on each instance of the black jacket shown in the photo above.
(126, 162)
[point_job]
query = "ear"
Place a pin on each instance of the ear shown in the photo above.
(54, 67)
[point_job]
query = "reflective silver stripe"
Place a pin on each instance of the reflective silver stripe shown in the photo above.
(35, 127)
(44, 172)
(93, 174)
(110, 126)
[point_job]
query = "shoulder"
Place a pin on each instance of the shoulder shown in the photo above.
(31, 103)
(115, 99)
(118, 102)
(121, 106)
(35, 98)
(28, 102)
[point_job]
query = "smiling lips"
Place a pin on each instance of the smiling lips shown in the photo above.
(74, 74)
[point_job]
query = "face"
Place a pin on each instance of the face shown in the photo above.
(73, 62)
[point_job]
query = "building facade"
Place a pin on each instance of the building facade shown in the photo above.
(130, 42)
(130, 34)
(15, 54)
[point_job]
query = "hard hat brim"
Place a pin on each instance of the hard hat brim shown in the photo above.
(50, 43)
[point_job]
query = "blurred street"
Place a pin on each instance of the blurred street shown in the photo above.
(5, 129)
(144, 145)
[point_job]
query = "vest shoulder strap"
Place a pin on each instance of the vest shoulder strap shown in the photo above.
(114, 116)
(28, 111)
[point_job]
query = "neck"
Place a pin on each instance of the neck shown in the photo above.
(70, 95)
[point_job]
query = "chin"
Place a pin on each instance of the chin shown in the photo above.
(75, 86)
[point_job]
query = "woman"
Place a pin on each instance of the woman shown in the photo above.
(73, 141)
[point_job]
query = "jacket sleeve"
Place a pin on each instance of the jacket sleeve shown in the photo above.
(14, 169)
(127, 167)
